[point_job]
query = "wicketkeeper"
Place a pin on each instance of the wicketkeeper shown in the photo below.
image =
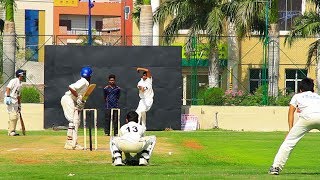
(13, 101)
(132, 140)
(73, 104)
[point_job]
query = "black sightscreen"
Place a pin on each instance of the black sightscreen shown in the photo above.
(63, 65)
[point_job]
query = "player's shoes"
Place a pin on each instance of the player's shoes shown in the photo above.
(274, 170)
(68, 146)
(117, 162)
(78, 147)
(13, 134)
(143, 162)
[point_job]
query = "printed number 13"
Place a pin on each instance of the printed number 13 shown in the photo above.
(135, 129)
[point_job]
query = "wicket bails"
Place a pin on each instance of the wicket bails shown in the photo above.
(111, 121)
(85, 129)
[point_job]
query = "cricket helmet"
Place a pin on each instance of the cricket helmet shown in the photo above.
(86, 72)
(19, 73)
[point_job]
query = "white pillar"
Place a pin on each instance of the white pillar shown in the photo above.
(184, 90)
(155, 4)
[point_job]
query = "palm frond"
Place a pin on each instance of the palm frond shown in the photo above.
(304, 26)
(313, 49)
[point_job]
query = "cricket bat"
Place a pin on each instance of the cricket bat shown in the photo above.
(23, 128)
(88, 92)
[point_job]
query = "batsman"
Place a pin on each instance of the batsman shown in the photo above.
(72, 104)
(13, 101)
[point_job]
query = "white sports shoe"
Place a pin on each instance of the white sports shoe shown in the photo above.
(13, 134)
(143, 162)
(68, 146)
(117, 162)
(78, 147)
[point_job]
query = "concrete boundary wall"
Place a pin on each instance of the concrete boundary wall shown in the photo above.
(32, 115)
(253, 118)
(241, 118)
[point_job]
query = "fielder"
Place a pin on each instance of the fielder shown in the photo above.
(146, 95)
(307, 103)
(13, 101)
(132, 140)
(72, 104)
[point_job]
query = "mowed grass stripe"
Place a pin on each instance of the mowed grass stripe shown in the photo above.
(194, 155)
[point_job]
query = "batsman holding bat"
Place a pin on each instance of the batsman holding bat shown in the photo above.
(146, 95)
(73, 103)
(308, 104)
(13, 101)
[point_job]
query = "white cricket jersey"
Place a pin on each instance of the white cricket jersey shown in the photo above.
(15, 88)
(132, 131)
(308, 103)
(80, 87)
(147, 85)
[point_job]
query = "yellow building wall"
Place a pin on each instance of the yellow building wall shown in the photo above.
(291, 57)
(41, 35)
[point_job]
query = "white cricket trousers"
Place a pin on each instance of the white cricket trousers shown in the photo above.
(73, 116)
(144, 106)
(295, 134)
(118, 144)
(13, 117)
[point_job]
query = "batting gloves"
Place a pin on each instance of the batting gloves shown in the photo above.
(8, 100)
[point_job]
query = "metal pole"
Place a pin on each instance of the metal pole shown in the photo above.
(89, 25)
(265, 56)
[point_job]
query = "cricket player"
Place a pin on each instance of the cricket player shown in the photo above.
(13, 101)
(307, 103)
(146, 95)
(72, 104)
(132, 140)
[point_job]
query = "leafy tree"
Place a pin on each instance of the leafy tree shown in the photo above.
(198, 16)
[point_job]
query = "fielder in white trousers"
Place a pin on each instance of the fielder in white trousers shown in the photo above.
(307, 103)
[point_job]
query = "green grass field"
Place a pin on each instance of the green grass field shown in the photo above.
(195, 155)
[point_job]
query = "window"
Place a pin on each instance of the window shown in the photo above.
(98, 25)
(293, 78)
(65, 23)
(288, 10)
(256, 79)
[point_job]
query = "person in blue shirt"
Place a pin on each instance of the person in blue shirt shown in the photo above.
(111, 100)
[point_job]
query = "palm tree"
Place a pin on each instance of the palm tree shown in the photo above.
(305, 26)
(198, 16)
(250, 16)
(143, 17)
(9, 41)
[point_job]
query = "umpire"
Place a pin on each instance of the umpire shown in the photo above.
(111, 98)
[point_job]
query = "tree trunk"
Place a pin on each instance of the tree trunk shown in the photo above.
(213, 72)
(233, 56)
(9, 51)
(146, 26)
(273, 60)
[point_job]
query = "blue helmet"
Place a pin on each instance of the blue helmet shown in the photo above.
(86, 72)
(19, 73)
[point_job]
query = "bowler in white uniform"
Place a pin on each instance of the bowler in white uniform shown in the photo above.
(146, 95)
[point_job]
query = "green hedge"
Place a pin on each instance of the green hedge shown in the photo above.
(30, 95)
(216, 96)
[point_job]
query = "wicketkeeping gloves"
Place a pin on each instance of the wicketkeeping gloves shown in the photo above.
(8, 100)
